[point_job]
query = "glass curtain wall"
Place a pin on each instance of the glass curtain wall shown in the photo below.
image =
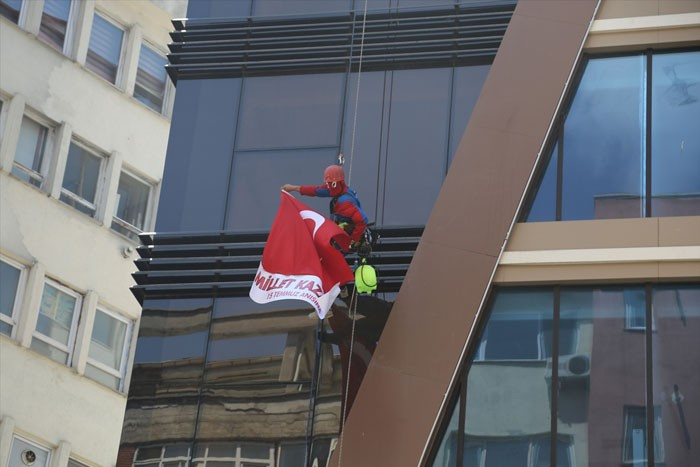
(628, 145)
(562, 376)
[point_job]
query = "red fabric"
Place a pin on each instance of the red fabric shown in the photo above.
(348, 209)
(300, 244)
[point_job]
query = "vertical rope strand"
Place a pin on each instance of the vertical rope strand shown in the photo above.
(357, 91)
(353, 315)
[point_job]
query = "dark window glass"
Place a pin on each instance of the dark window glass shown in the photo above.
(508, 399)
(218, 9)
(675, 137)
(601, 374)
(104, 49)
(362, 165)
(257, 177)
(29, 155)
(544, 206)
(81, 178)
(299, 7)
(290, 111)
(603, 142)
(132, 205)
(417, 147)
(54, 22)
(292, 455)
(9, 283)
(10, 9)
(447, 451)
(676, 360)
(200, 148)
(150, 79)
(467, 85)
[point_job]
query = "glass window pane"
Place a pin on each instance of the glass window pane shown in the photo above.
(50, 351)
(147, 453)
(257, 177)
(468, 82)
(544, 205)
(102, 377)
(200, 146)
(54, 22)
(417, 147)
(9, 281)
(132, 200)
(364, 176)
(30, 150)
(56, 314)
(19, 446)
(601, 375)
(508, 400)
(10, 9)
(299, 7)
(104, 49)
(150, 79)
(676, 359)
(675, 139)
(81, 175)
(603, 142)
(290, 111)
(292, 455)
(447, 452)
(107, 343)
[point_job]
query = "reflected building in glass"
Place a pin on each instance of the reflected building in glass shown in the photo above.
(533, 170)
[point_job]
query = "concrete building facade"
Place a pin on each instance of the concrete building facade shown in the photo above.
(84, 119)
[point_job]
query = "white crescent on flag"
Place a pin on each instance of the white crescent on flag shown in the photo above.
(314, 216)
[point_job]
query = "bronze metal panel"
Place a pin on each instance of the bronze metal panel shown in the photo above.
(395, 412)
(393, 421)
(404, 340)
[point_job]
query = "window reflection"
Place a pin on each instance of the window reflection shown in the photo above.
(544, 205)
(508, 384)
(603, 142)
(675, 137)
(676, 359)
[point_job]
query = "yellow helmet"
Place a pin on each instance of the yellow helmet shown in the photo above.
(365, 279)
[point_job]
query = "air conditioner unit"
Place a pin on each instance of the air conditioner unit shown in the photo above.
(571, 368)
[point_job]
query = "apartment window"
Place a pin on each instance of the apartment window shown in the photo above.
(11, 282)
(108, 349)
(174, 455)
(24, 452)
(150, 79)
(105, 48)
(54, 23)
(635, 309)
(31, 149)
(634, 449)
(75, 463)
(133, 196)
(81, 179)
(234, 455)
(58, 319)
(10, 9)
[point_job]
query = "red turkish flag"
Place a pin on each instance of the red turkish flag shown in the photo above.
(299, 262)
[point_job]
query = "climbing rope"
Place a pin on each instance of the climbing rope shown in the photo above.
(352, 309)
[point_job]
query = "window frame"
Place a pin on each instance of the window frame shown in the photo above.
(19, 294)
(49, 136)
(118, 77)
(162, 458)
(68, 38)
(47, 449)
(77, 309)
(167, 87)
(121, 373)
(149, 205)
(99, 186)
(659, 454)
(21, 15)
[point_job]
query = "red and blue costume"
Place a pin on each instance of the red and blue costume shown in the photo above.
(345, 207)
